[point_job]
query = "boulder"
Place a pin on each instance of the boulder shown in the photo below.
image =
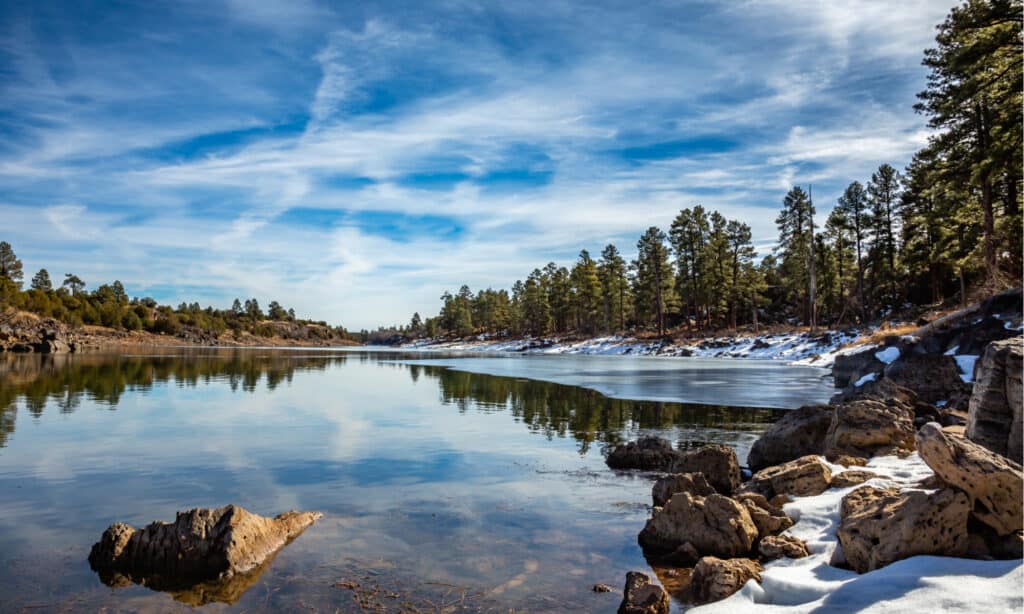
(200, 545)
(800, 432)
(642, 597)
(769, 519)
(984, 543)
(646, 453)
(846, 460)
(713, 525)
(883, 390)
(852, 477)
(717, 462)
(994, 412)
(933, 377)
(693, 483)
(848, 368)
(778, 546)
(994, 484)
(714, 579)
(880, 526)
(867, 428)
(803, 477)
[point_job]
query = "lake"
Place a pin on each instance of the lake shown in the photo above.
(442, 489)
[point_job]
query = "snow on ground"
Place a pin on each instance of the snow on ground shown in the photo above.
(818, 350)
(888, 355)
(917, 584)
(965, 362)
(870, 377)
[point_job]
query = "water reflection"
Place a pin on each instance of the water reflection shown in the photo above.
(549, 409)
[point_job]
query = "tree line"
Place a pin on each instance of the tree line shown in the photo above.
(949, 224)
(109, 305)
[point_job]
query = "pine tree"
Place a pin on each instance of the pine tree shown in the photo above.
(587, 293)
(654, 283)
(73, 283)
(854, 207)
(41, 281)
(742, 277)
(613, 273)
(688, 235)
(883, 195)
(10, 265)
(794, 248)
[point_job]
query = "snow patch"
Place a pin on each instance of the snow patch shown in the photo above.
(917, 584)
(888, 355)
(870, 377)
(965, 362)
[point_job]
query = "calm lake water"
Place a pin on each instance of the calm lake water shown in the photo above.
(442, 489)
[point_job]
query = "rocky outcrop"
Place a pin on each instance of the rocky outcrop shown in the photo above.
(852, 477)
(22, 333)
(994, 414)
(880, 526)
(714, 579)
(693, 483)
(779, 546)
(933, 377)
(718, 463)
(994, 484)
(200, 545)
(769, 519)
(640, 596)
(867, 428)
(800, 432)
(848, 368)
(646, 453)
(712, 525)
(803, 477)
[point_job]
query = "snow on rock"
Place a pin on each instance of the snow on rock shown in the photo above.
(965, 362)
(888, 355)
(917, 584)
(870, 377)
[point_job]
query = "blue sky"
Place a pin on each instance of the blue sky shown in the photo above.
(354, 160)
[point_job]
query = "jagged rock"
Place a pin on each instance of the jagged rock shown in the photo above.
(994, 483)
(642, 597)
(867, 427)
(800, 432)
(803, 477)
(985, 543)
(715, 525)
(693, 483)
(646, 453)
(848, 368)
(200, 545)
(778, 546)
(780, 500)
(714, 579)
(846, 460)
(880, 526)
(852, 478)
(933, 377)
(601, 588)
(994, 414)
(769, 519)
(717, 462)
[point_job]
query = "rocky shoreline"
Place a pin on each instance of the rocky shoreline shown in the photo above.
(905, 410)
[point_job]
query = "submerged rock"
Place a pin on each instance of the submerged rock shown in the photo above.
(200, 546)
(718, 463)
(646, 453)
(803, 477)
(693, 483)
(799, 433)
(880, 526)
(712, 525)
(715, 579)
(994, 414)
(642, 597)
(994, 483)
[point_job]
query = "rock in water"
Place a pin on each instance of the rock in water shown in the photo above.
(714, 525)
(778, 546)
(646, 453)
(718, 463)
(803, 477)
(693, 483)
(867, 427)
(642, 597)
(200, 545)
(880, 526)
(714, 579)
(994, 414)
(799, 433)
(994, 483)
